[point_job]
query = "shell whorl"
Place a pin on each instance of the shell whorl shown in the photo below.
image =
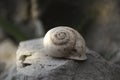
(63, 36)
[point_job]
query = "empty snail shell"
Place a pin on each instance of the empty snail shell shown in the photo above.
(65, 42)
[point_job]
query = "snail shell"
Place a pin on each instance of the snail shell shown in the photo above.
(65, 42)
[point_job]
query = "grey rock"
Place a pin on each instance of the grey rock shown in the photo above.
(39, 67)
(105, 31)
(7, 73)
(7, 60)
(2, 65)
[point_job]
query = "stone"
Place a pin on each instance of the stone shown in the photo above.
(105, 30)
(7, 60)
(37, 66)
(7, 56)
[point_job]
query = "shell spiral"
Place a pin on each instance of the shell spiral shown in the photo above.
(63, 36)
(60, 41)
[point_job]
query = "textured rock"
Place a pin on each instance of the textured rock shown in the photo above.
(36, 66)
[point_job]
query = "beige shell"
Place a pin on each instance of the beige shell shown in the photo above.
(65, 42)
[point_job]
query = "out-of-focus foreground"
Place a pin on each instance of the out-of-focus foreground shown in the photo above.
(97, 20)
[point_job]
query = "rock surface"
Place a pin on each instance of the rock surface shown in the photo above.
(36, 66)
(7, 60)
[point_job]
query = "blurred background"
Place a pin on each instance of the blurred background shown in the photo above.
(97, 20)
